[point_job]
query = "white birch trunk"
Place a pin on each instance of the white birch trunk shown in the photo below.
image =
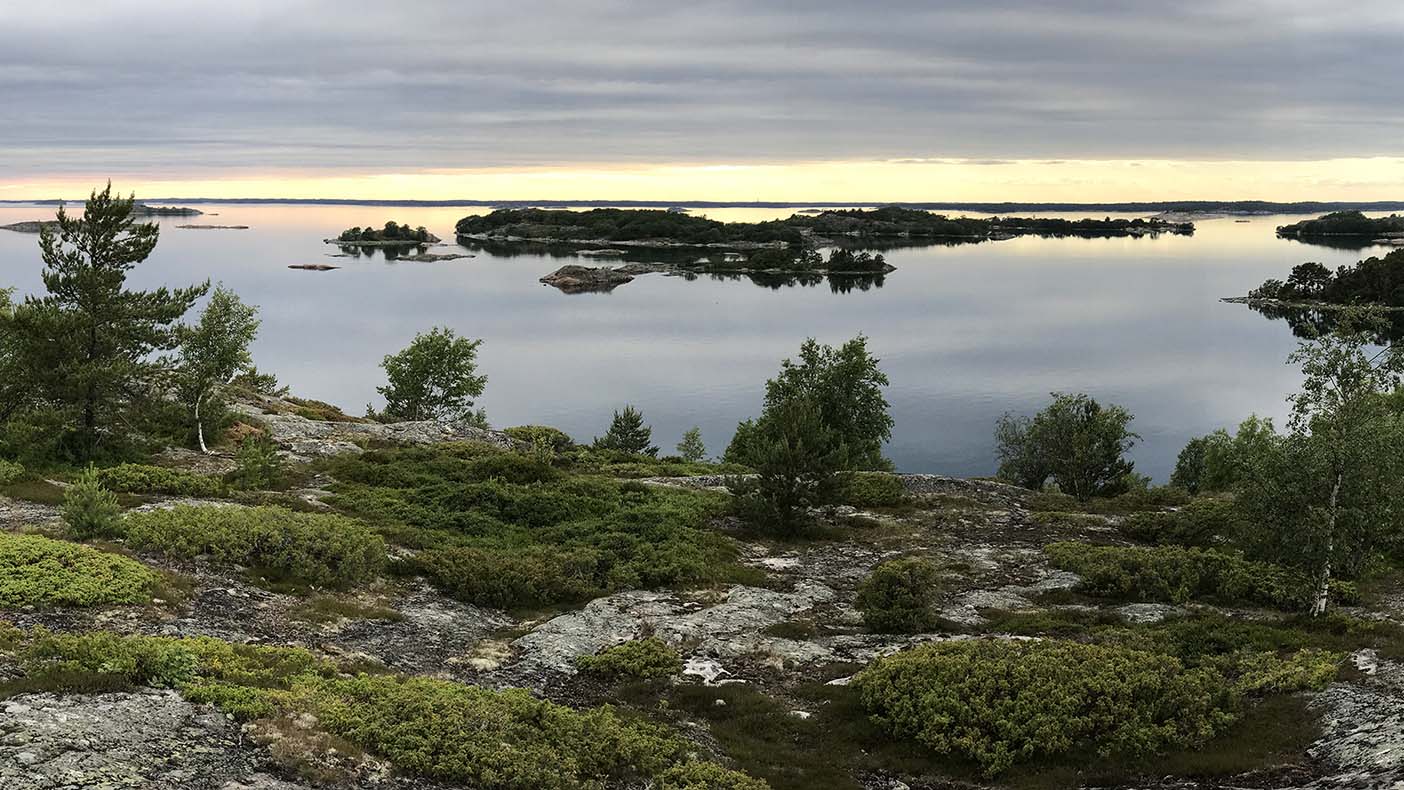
(1323, 584)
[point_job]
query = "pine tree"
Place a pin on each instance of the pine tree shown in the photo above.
(90, 348)
(89, 510)
(628, 433)
(691, 447)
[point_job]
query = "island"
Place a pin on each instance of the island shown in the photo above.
(31, 226)
(613, 227)
(141, 210)
(392, 234)
(1352, 227)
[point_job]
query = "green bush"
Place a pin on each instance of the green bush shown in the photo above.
(1134, 500)
(640, 658)
(698, 775)
(1177, 575)
(257, 464)
(1203, 522)
(144, 479)
(1305, 670)
(315, 548)
(541, 436)
(90, 510)
(870, 489)
(532, 576)
(491, 739)
(37, 571)
(899, 596)
(998, 703)
(10, 472)
(506, 530)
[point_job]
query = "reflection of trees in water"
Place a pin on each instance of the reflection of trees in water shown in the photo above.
(1387, 327)
(838, 283)
(685, 256)
(390, 253)
(1335, 242)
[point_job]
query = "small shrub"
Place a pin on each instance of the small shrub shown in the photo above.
(490, 739)
(1305, 670)
(998, 703)
(57, 660)
(697, 775)
(10, 472)
(898, 596)
(37, 571)
(144, 479)
(870, 489)
(509, 579)
(257, 464)
(1177, 575)
(542, 435)
(315, 548)
(89, 509)
(1203, 522)
(642, 659)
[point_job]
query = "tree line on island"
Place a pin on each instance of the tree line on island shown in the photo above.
(96, 376)
(641, 225)
(392, 232)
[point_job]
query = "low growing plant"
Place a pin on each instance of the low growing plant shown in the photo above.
(997, 703)
(37, 571)
(899, 596)
(641, 659)
(145, 479)
(1177, 575)
(314, 548)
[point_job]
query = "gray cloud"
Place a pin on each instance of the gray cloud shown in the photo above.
(199, 88)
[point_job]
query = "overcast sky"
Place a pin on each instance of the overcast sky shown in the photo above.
(198, 90)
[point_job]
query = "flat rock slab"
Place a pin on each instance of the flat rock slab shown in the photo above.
(151, 740)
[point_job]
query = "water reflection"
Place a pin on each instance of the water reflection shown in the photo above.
(1386, 326)
(966, 332)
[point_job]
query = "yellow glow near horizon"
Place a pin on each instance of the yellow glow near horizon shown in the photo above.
(1088, 181)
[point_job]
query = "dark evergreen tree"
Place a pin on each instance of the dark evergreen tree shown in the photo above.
(628, 433)
(91, 349)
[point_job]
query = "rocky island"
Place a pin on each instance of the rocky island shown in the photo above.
(33, 226)
(142, 210)
(392, 234)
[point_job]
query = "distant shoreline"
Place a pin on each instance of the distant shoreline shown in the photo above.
(1230, 207)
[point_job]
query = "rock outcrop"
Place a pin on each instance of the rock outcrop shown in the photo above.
(582, 279)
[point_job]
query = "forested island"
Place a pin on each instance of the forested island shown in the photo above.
(1347, 224)
(1375, 281)
(650, 228)
(141, 210)
(207, 576)
(392, 233)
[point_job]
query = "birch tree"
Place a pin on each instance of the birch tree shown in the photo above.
(213, 352)
(1327, 494)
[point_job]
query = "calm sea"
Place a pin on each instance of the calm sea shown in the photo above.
(966, 332)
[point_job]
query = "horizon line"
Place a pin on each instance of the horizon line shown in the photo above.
(1123, 205)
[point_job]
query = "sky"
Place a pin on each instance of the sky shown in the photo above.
(593, 99)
